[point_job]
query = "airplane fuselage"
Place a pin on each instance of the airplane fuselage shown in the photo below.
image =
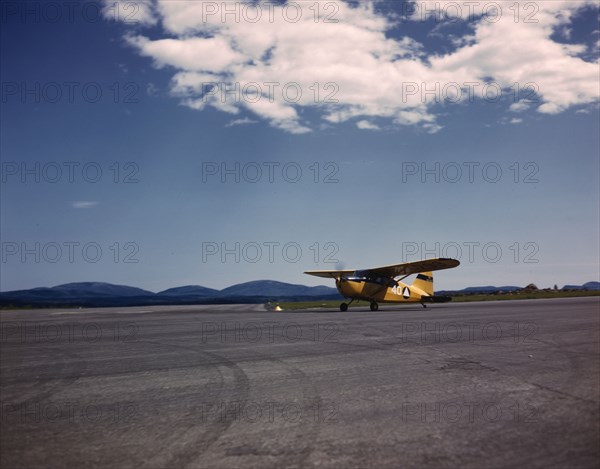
(372, 291)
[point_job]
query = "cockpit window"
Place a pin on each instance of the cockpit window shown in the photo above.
(359, 276)
(368, 276)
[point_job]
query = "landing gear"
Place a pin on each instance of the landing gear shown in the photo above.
(374, 306)
(344, 307)
(424, 305)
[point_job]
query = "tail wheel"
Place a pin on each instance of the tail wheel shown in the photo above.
(374, 306)
(344, 307)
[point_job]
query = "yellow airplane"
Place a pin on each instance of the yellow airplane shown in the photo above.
(380, 284)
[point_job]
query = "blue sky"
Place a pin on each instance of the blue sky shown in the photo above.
(378, 182)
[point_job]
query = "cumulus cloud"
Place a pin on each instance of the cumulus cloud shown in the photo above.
(519, 106)
(366, 125)
(347, 60)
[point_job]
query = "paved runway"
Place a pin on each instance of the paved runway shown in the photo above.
(470, 385)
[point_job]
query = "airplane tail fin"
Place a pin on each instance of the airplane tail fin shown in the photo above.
(424, 282)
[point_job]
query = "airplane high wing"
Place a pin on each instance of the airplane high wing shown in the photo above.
(395, 270)
(329, 273)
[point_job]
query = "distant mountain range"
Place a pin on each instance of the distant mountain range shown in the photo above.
(512, 288)
(585, 286)
(106, 294)
(259, 291)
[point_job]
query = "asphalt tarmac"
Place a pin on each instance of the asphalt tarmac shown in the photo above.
(470, 385)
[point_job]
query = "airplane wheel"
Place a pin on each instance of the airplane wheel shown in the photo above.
(374, 306)
(344, 307)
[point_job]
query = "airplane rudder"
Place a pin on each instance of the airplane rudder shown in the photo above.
(424, 282)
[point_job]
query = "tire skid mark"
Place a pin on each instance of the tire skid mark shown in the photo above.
(178, 442)
(574, 365)
(56, 384)
(312, 396)
(182, 457)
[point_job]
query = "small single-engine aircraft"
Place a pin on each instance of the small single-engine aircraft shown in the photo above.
(380, 284)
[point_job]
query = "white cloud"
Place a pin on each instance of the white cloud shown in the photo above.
(519, 106)
(266, 62)
(432, 128)
(366, 125)
(151, 89)
(192, 54)
(516, 120)
(551, 108)
(244, 121)
(84, 204)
